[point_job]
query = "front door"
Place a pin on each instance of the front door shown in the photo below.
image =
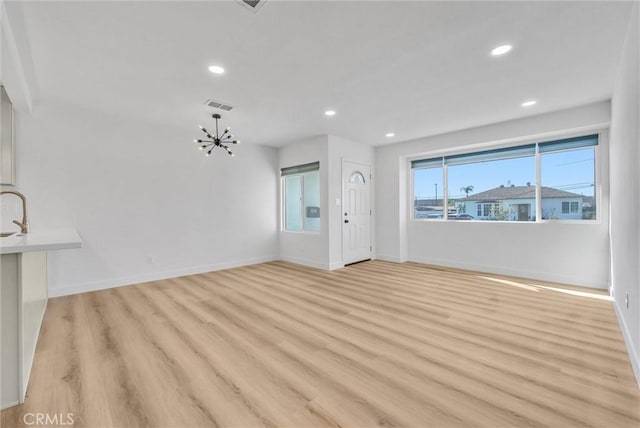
(356, 204)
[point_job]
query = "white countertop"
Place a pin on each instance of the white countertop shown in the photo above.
(40, 240)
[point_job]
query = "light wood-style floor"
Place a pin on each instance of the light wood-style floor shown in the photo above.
(374, 344)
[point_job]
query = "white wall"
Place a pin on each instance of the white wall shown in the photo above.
(146, 203)
(571, 253)
(625, 192)
(322, 250)
(308, 248)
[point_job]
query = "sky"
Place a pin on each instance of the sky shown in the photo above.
(572, 171)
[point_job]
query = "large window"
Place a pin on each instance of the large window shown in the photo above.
(301, 198)
(502, 184)
(497, 186)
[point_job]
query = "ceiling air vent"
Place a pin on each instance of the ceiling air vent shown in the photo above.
(252, 5)
(216, 104)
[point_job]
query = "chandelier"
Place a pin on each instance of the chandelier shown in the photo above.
(221, 141)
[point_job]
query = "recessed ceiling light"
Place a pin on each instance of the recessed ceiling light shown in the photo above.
(330, 113)
(529, 103)
(501, 50)
(390, 134)
(216, 69)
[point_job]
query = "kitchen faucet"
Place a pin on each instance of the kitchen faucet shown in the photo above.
(23, 224)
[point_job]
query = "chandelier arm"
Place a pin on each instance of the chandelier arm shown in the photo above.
(207, 133)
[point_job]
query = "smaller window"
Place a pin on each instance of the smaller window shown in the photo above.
(479, 210)
(574, 207)
(570, 207)
(301, 198)
(356, 178)
(427, 187)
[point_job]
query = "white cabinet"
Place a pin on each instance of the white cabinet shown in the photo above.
(23, 300)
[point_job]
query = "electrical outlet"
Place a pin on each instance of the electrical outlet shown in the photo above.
(626, 299)
(150, 260)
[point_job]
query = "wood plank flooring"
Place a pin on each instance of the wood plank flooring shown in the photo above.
(374, 344)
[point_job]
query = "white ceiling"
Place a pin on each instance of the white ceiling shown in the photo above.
(413, 68)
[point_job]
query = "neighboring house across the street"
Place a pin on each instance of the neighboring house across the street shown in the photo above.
(518, 203)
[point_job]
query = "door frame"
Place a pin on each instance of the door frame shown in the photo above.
(343, 184)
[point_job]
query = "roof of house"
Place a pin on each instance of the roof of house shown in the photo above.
(519, 192)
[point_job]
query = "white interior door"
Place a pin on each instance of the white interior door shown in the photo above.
(356, 207)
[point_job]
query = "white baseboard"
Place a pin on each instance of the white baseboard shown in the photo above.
(305, 262)
(503, 270)
(392, 259)
(155, 276)
(334, 266)
(7, 405)
(631, 350)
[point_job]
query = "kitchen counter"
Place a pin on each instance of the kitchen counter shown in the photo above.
(40, 240)
(23, 301)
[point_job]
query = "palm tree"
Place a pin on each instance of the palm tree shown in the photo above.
(466, 190)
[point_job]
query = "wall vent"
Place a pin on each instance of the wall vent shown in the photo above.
(217, 104)
(252, 5)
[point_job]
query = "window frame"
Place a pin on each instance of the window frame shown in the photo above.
(602, 135)
(283, 205)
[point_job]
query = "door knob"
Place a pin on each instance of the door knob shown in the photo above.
(346, 221)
